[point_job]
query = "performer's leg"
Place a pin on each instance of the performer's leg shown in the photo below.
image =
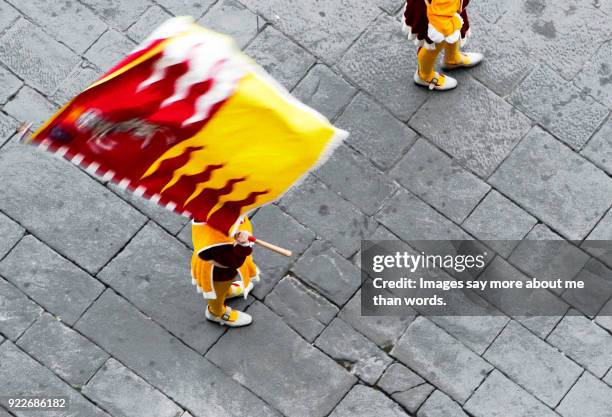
(454, 58)
(452, 54)
(426, 75)
(427, 62)
(217, 306)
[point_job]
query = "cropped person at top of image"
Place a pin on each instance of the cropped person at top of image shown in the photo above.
(404, 260)
(437, 25)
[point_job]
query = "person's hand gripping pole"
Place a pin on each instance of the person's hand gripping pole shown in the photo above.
(243, 237)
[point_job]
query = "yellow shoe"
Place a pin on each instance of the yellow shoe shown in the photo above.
(231, 318)
(468, 60)
(439, 82)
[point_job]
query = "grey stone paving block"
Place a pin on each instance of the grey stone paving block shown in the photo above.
(362, 401)
(507, 59)
(69, 22)
(124, 394)
(483, 143)
(555, 33)
(585, 342)
(550, 259)
(185, 235)
(589, 397)
(596, 76)
(553, 183)
(500, 397)
(405, 387)
(476, 331)
(50, 280)
(119, 13)
(608, 378)
(440, 405)
(533, 364)
(11, 232)
(379, 136)
(81, 78)
(604, 318)
(499, 221)
(601, 247)
(4, 413)
(326, 29)
(164, 361)
(233, 19)
(17, 312)
(8, 127)
(390, 6)
(324, 91)
(186, 7)
(599, 148)
(357, 354)
(382, 62)
(380, 233)
(425, 223)
(285, 61)
(491, 10)
(7, 15)
(320, 382)
(167, 219)
(28, 52)
(327, 214)
(328, 272)
(147, 23)
(384, 331)
(10, 84)
(597, 288)
(439, 181)
(109, 49)
(273, 225)
(18, 372)
(154, 273)
(426, 349)
(560, 107)
(67, 209)
(301, 308)
(352, 176)
(68, 354)
(540, 312)
(29, 106)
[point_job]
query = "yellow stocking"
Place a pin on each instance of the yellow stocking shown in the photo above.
(217, 306)
(427, 62)
(452, 55)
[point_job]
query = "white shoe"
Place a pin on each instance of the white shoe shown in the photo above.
(243, 319)
(448, 83)
(470, 59)
(237, 290)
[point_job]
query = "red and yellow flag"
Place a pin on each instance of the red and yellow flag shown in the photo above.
(188, 121)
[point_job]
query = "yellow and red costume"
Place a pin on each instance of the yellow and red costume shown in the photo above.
(220, 267)
(436, 25)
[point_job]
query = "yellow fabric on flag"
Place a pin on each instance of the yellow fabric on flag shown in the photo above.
(260, 133)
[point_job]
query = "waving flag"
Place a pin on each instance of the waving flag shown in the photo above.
(188, 121)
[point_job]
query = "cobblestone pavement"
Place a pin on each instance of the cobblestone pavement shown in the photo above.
(95, 296)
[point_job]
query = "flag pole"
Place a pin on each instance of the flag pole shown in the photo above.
(270, 246)
(25, 133)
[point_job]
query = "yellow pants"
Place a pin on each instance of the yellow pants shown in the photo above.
(427, 58)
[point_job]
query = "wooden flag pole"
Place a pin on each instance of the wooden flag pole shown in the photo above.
(25, 133)
(270, 246)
